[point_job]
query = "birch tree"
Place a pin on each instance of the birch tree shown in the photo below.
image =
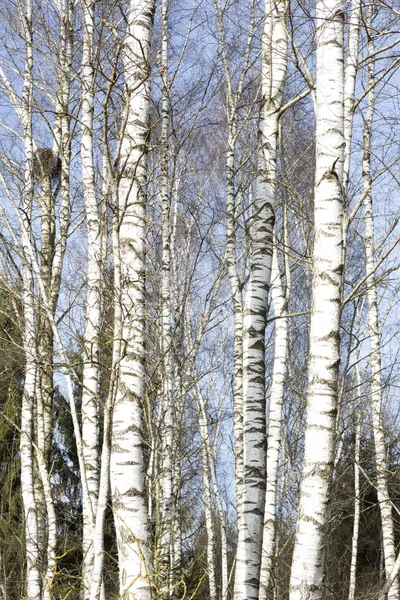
(168, 416)
(127, 460)
(309, 549)
(232, 212)
(27, 456)
(357, 503)
(274, 425)
(250, 526)
(350, 84)
(91, 370)
(375, 359)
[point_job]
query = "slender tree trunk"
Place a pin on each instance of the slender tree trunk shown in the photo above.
(127, 470)
(356, 523)
(167, 392)
(96, 585)
(350, 84)
(274, 426)
(47, 525)
(375, 360)
(250, 525)
(180, 393)
(91, 370)
(45, 379)
(236, 289)
(33, 578)
(232, 223)
(50, 519)
(26, 444)
(33, 575)
(210, 525)
(44, 391)
(62, 144)
(312, 522)
(222, 521)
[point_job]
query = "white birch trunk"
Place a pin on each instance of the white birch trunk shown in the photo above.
(356, 522)
(33, 575)
(237, 300)
(250, 525)
(91, 371)
(127, 461)
(167, 404)
(350, 84)
(350, 75)
(62, 144)
(309, 549)
(109, 194)
(375, 360)
(210, 528)
(176, 561)
(33, 578)
(95, 579)
(232, 210)
(50, 518)
(44, 394)
(222, 520)
(176, 551)
(47, 527)
(274, 426)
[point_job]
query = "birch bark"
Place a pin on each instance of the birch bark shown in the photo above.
(33, 578)
(44, 394)
(309, 550)
(222, 521)
(109, 195)
(179, 387)
(385, 505)
(208, 504)
(350, 84)
(62, 144)
(91, 371)
(33, 575)
(356, 524)
(274, 426)
(250, 525)
(167, 507)
(237, 297)
(49, 517)
(127, 461)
